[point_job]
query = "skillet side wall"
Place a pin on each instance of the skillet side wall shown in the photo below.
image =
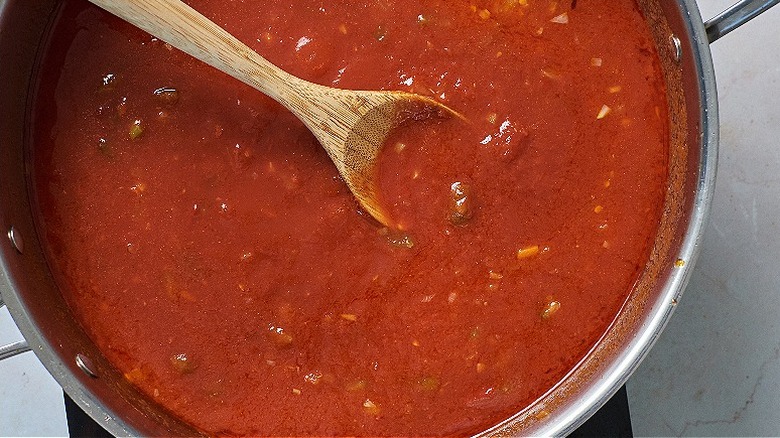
(693, 140)
(26, 284)
(47, 324)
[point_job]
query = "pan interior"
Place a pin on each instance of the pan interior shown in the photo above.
(38, 308)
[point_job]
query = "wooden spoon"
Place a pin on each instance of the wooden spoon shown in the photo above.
(352, 126)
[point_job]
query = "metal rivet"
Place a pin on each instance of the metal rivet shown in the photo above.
(676, 47)
(16, 239)
(85, 364)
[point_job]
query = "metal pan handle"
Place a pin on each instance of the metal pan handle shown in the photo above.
(735, 16)
(11, 350)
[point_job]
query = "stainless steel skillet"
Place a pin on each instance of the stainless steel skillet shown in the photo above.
(25, 283)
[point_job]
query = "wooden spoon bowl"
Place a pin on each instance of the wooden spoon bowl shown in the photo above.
(351, 125)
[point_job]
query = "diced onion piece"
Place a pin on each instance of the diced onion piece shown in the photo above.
(136, 375)
(182, 363)
(603, 112)
(596, 62)
(461, 203)
(530, 251)
(370, 407)
(495, 275)
(136, 130)
(560, 19)
(313, 377)
(279, 337)
(550, 73)
(551, 309)
(615, 89)
(349, 317)
(138, 188)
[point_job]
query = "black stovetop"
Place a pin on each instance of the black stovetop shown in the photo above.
(613, 420)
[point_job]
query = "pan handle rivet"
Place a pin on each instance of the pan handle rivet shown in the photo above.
(85, 364)
(16, 240)
(676, 47)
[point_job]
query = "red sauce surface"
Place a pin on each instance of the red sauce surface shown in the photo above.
(224, 268)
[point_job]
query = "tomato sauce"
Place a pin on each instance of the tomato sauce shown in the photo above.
(207, 245)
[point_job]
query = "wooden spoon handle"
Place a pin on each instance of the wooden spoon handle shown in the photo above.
(186, 29)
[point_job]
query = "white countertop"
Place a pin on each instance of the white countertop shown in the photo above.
(716, 368)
